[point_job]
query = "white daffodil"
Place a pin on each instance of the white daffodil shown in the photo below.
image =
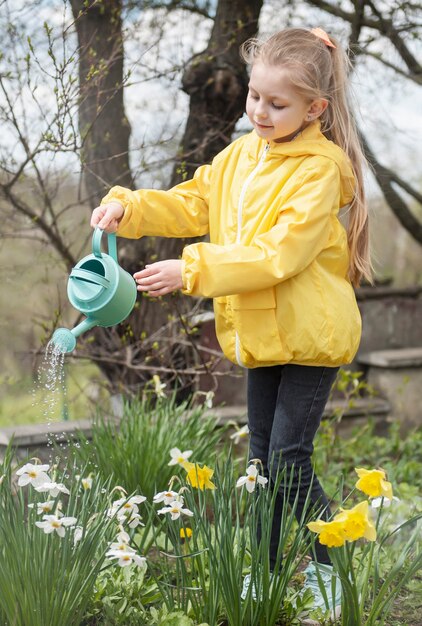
(385, 502)
(124, 506)
(158, 386)
(2, 477)
(175, 509)
(127, 557)
(43, 507)
(178, 457)
(86, 483)
(209, 397)
(167, 497)
(121, 544)
(240, 434)
(133, 520)
(52, 487)
(252, 479)
(33, 474)
(53, 523)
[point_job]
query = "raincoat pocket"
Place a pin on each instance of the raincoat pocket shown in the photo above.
(256, 324)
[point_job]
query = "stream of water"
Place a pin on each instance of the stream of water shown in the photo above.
(49, 394)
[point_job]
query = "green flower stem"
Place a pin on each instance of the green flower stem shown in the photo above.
(365, 585)
(342, 560)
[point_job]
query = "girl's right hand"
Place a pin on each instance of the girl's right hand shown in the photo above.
(107, 216)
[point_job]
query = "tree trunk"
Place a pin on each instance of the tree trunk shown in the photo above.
(216, 81)
(103, 124)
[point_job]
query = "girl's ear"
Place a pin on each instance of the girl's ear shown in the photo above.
(316, 109)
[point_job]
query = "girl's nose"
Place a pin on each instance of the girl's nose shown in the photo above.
(260, 111)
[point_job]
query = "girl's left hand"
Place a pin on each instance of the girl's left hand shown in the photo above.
(160, 278)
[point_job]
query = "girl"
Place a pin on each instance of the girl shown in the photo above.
(279, 265)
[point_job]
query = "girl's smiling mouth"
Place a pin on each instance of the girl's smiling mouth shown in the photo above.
(262, 125)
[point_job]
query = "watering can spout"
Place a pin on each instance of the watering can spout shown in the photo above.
(65, 339)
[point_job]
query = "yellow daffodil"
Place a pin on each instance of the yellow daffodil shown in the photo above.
(199, 477)
(356, 523)
(373, 483)
(331, 534)
(185, 533)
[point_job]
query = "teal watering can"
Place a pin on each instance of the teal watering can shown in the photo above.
(100, 289)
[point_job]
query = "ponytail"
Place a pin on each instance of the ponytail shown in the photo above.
(339, 125)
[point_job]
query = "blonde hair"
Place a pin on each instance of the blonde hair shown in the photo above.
(320, 71)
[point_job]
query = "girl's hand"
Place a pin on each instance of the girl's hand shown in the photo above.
(160, 278)
(107, 216)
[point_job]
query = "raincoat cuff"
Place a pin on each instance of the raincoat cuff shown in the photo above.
(188, 275)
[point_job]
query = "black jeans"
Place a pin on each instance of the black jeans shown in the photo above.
(285, 406)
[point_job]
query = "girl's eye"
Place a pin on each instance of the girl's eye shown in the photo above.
(278, 106)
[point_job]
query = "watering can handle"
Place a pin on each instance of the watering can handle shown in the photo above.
(111, 242)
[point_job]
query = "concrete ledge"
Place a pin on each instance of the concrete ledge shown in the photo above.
(392, 359)
(33, 435)
(377, 293)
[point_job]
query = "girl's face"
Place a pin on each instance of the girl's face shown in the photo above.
(274, 108)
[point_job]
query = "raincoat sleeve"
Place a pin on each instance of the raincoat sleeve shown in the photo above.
(300, 234)
(179, 212)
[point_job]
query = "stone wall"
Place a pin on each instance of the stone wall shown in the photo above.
(391, 318)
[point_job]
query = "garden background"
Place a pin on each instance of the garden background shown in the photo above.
(140, 93)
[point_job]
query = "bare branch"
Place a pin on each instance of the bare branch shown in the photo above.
(382, 25)
(386, 27)
(416, 78)
(41, 223)
(385, 178)
(186, 5)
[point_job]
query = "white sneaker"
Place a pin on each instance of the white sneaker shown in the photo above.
(247, 584)
(245, 588)
(320, 580)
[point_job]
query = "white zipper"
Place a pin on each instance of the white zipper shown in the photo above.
(244, 190)
(239, 228)
(237, 351)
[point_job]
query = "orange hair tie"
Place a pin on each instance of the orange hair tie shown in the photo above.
(318, 32)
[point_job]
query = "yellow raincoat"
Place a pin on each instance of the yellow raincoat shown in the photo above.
(277, 261)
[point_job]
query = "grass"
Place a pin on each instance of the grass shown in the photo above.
(407, 609)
